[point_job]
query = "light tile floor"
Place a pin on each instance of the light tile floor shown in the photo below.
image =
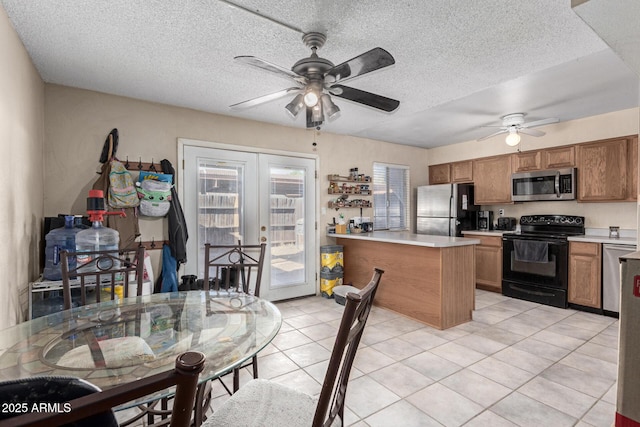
(516, 364)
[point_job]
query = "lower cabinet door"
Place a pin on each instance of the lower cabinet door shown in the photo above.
(489, 268)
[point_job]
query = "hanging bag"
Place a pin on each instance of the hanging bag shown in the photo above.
(122, 192)
(155, 197)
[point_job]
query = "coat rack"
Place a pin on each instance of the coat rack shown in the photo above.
(151, 244)
(133, 166)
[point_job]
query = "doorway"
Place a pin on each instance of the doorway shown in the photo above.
(253, 197)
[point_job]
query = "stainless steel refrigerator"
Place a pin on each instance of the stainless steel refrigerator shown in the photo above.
(445, 209)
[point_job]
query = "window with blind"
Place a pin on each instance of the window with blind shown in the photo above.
(390, 197)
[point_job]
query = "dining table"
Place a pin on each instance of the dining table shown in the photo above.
(120, 341)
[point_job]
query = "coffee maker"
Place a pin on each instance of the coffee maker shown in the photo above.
(485, 220)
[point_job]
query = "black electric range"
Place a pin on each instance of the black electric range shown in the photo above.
(535, 261)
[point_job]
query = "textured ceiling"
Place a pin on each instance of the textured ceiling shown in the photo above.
(460, 64)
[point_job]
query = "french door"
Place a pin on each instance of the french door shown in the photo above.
(232, 196)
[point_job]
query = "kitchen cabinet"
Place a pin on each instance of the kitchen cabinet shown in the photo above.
(492, 180)
(602, 170)
(527, 161)
(548, 158)
(446, 173)
(560, 157)
(440, 174)
(488, 262)
(632, 167)
(462, 171)
(585, 265)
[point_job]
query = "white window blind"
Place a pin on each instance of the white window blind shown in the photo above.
(390, 197)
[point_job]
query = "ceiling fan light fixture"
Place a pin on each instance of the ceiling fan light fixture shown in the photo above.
(295, 105)
(311, 98)
(513, 138)
(330, 109)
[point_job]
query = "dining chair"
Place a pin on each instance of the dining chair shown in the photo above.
(235, 268)
(262, 402)
(71, 401)
(101, 270)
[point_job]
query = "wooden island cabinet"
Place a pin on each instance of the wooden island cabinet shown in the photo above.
(427, 278)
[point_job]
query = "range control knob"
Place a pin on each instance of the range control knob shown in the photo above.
(578, 220)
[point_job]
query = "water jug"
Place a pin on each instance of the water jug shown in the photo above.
(98, 237)
(57, 240)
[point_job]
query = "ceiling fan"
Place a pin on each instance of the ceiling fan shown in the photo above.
(514, 124)
(318, 78)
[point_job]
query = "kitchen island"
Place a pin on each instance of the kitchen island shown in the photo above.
(427, 278)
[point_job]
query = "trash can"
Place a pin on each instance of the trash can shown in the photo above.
(340, 293)
(328, 281)
(331, 259)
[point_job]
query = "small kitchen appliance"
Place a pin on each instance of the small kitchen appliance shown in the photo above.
(557, 184)
(485, 220)
(506, 223)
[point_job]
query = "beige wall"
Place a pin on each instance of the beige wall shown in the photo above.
(77, 122)
(21, 173)
(597, 215)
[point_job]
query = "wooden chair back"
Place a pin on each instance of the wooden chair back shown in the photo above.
(98, 270)
(234, 267)
(334, 389)
(95, 402)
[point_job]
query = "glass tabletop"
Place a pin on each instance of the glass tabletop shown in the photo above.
(115, 342)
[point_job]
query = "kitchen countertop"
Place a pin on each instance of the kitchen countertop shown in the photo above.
(593, 238)
(407, 238)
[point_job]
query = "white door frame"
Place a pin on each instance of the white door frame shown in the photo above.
(182, 142)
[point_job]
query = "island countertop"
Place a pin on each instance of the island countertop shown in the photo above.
(407, 238)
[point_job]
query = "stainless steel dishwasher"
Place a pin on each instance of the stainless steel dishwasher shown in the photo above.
(611, 275)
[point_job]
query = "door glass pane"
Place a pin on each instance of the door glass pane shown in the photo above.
(287, 236)
(220, 202)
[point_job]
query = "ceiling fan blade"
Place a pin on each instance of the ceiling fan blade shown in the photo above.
(367, 98)
(493, 134)
(369, 61)
(539, 123)
(532, 132)
(264, 98)
(265, 65)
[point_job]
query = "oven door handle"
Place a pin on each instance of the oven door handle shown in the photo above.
(532, 292)
(550, 242)
(557, 184)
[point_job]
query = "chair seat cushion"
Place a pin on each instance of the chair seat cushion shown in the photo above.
(117, 353)
(262, 401)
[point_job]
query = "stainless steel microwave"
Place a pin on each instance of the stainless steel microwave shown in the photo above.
(556, 184)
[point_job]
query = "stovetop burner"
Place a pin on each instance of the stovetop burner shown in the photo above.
(560, 226)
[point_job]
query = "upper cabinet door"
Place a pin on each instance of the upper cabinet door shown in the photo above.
(602, 170)
(440, 174)
(561, 157)
(527, 161)
(492, 180)
(462, 171)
